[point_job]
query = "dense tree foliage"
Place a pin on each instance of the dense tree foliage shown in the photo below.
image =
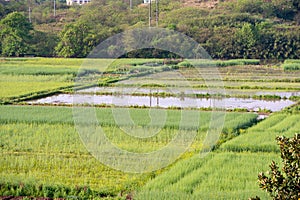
(75, 41)
(43, 44)
(14, 34)
(233, 29)
(284, 184)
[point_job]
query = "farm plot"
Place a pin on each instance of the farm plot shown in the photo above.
(261, 138)
(39, 66)
(17, 86)
(245, 77)
(30, 77)
(40, 147)
(224, 175)
(231, 171)
(33, 77)
(58, 66)
(41, 152)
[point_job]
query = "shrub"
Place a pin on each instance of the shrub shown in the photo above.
(284, 184)
(185, 64)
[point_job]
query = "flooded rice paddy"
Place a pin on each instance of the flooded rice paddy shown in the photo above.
(143, 97)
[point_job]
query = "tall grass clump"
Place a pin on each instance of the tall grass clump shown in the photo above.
(21, 188)
(234, 62)
(291, 65)
(218, 63)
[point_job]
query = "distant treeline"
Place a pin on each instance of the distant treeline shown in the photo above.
(255, 29)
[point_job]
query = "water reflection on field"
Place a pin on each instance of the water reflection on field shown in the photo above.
(178, 90)
(124, 98)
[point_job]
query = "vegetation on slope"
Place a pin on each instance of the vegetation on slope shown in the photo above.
(231, 29)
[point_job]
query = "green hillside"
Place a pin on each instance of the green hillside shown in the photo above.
(226, 29)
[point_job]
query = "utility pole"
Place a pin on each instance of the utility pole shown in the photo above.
(156, 12)
(29, 13)
(150, 15)
(54, 8)
(130, 3)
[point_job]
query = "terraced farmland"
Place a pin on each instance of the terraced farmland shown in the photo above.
(42, 154)
(40, 145)
(231, 171)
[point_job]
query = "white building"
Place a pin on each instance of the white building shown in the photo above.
(148, 1)
(80, 2)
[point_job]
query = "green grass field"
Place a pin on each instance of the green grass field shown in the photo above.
(261, 137)
(224, 175)
(42, 155)
(33, 77)
(245, 77)
(40, 144)
(25, 85)
(231, 171)
(29, 76)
